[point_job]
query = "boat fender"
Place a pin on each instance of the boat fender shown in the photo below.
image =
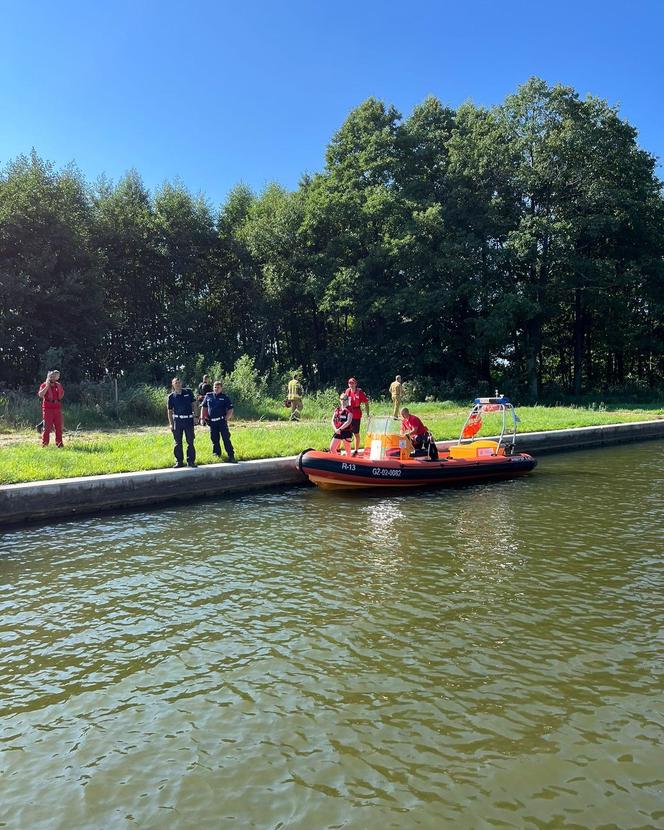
(301, 456)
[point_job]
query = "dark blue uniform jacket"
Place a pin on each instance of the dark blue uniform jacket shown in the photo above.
(217, 405)
(181, 404)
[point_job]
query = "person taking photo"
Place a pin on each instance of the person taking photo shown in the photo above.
(51, 394)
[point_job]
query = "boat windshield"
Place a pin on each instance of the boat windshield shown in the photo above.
(384, 425)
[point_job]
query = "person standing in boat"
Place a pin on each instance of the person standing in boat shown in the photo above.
(356, 397)
(396, 393)
(342, 421)
(217, 411)
(180, 411)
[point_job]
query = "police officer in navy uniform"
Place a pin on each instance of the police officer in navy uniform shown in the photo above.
(217, 411)
(181, 420)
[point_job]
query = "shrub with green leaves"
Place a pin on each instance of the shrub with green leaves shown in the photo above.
(245, 384)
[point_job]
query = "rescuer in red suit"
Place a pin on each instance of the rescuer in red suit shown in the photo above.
(51, 394)
(413, 427)
(356, 397)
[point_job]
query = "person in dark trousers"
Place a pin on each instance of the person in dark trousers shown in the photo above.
(181, 421)
(204, 387)
(342, 421)
(419, 435)
(356, 397)
(217, 411)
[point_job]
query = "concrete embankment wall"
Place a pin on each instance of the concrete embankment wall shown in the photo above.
(66, 497)
(582, 438)
(63, 498)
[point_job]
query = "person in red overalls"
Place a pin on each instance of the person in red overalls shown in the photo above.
(356, 397)
(51, 394)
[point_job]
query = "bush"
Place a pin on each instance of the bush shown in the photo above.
(215, 372)
(418, 389)
(277, 385)
(323, 402)
(18, 410)
(245, 384)
(143, 403)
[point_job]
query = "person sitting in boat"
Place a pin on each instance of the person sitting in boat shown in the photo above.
(342, 421)
(419, 435)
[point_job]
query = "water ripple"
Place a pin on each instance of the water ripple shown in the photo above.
(487, 656)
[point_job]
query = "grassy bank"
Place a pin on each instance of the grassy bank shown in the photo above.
(148, 448)
(92, 407)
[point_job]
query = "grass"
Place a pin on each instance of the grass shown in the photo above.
(22, 459)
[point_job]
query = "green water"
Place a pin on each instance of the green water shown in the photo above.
(488, 656)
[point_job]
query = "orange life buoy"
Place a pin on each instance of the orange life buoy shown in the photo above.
(473, 426)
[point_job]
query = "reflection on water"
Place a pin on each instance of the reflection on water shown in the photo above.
(489, 541)
(488, 656)
(384, 520)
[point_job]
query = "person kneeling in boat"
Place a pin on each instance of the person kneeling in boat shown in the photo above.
(342, 421)
(419, 435)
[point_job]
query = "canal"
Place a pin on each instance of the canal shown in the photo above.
(487, 656)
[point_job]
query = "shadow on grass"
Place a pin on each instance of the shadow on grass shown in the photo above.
(93, 449)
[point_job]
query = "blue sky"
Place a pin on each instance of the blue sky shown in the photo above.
(216, 92)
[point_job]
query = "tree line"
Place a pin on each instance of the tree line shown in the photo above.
(520, 245)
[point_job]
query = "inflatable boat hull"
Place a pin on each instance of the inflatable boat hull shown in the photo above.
(332, 472)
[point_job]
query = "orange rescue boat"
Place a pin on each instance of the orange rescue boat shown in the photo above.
(388, 459)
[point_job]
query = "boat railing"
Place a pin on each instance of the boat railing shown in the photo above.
(473, 423)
